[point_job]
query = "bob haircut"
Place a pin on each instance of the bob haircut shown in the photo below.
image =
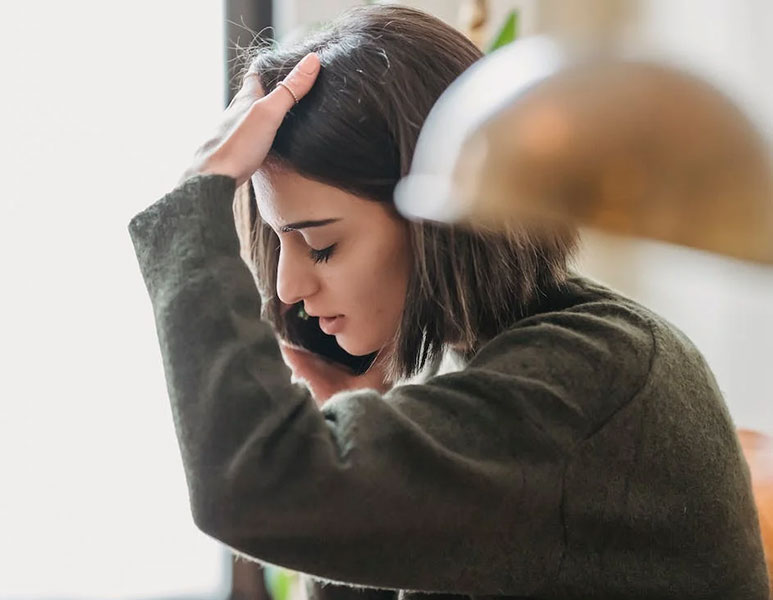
(383, 67)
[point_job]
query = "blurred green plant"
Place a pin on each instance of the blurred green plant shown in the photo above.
(279, 581)
(507, 33)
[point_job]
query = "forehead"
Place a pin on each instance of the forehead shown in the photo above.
(284, 196)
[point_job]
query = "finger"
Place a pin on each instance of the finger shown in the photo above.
(300, 80)
(251, 85)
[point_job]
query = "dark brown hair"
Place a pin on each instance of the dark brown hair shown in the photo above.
(383, 67)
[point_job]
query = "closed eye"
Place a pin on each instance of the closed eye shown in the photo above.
(323, 255)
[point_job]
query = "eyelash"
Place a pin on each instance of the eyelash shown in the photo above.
(323, 255)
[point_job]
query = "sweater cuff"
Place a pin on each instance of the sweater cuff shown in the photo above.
(192, 222)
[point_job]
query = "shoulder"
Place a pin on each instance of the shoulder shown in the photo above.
(586, 327)
(589, 351)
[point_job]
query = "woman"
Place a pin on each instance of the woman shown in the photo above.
(582, 450)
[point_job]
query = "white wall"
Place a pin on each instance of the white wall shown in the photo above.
(102, 106)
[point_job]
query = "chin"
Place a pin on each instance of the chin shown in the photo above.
(356, 347)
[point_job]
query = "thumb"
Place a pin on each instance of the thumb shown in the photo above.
(294, 87)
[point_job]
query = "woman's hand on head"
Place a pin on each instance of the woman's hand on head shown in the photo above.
(250, 123)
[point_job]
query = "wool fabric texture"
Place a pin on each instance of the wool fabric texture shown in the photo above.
(585, 452)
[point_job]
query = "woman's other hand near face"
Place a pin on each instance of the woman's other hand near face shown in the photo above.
(326, 378)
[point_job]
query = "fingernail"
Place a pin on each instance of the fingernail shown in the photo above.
(308, 63)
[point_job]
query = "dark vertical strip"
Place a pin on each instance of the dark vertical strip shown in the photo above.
(243, 19)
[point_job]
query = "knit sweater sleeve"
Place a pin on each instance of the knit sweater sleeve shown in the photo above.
(453, 485)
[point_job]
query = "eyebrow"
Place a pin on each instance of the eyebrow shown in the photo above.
(306, 225)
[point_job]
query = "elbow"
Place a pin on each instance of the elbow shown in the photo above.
(211, 504)
(209, 516)
(227, 521)
(238, 533)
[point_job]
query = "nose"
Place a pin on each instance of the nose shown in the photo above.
(295, 277)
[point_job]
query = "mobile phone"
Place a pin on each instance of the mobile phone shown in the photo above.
(303, 331)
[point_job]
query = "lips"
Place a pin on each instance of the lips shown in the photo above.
(331, 325)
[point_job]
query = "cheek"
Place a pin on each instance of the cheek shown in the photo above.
(371, 291)
(382, 277)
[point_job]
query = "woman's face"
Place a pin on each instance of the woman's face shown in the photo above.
(347, 258)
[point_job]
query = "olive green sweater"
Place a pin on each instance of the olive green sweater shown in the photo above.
(586, 452)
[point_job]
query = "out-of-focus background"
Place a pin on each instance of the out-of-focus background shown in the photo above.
(102, 106)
